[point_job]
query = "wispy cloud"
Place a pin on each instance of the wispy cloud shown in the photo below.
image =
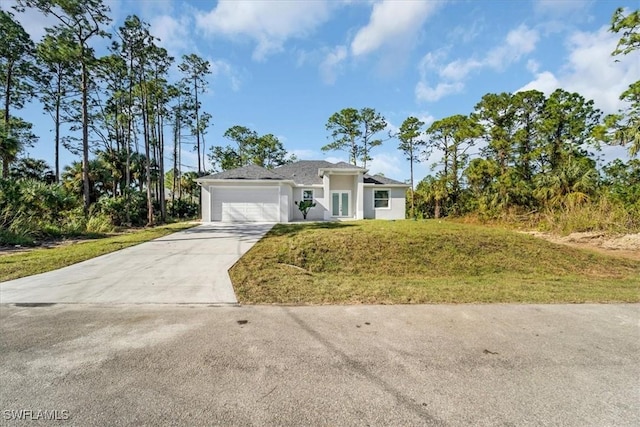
(450, 76)
(268, 24)
(590, 70)
(392, 22)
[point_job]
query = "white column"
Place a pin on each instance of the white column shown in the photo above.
(326, 183)
(359, 196)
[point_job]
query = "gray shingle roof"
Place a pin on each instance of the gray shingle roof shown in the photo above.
(381, 180)
(305, 172)
(246, 172)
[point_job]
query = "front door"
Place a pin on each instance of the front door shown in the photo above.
(340, 203)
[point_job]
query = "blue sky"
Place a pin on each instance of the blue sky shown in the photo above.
(284, 67)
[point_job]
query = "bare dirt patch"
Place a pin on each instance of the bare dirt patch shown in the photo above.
(625, 246)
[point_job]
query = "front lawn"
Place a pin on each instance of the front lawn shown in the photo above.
(389, 262)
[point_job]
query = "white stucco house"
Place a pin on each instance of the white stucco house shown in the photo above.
(339, 190)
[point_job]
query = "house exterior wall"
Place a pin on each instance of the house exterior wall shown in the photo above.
(286, 196)
(397, 201)
(318, 212)
(342, 182)
(205, 203)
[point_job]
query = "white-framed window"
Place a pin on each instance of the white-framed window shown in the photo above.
(381, 199)
(307, 195)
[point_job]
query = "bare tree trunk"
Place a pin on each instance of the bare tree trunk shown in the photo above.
(129, 130)
(413, 205)
(145, 126)
(175, 162)
(57, 131)
(197, 124)
(85, 136)
(179, 158)
(163, 210)
(7, 118)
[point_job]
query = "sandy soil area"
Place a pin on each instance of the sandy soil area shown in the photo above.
(626, 245)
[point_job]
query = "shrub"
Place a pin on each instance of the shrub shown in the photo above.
(180, 208)
(33, 208)
(129, 209)
(606, 214)
(99, 224)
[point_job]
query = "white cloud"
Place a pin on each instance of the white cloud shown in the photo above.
(533, 66)
(269, 24)
(304, 154)
(220, 67)
(432, 60)
(591, 71)
(459, 69)
(331, 65)
(424, 92)
(545, 82)
(426, 118)
(466, 33)
(336, 159)
(172, 32)
(518, 42)
(392, 21)
(391, 165)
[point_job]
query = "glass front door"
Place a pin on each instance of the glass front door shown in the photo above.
(340, 203)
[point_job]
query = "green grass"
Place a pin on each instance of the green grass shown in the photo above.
(35, 261)
(389, 262)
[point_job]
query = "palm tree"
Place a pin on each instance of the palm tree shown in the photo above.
(36, 169)
(573, 183)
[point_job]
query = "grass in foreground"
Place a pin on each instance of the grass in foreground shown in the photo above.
(21, 264)
(383, 262)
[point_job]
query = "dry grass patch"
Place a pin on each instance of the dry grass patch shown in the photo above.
(424, 262)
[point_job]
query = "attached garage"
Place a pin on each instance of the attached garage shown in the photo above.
(242, 204)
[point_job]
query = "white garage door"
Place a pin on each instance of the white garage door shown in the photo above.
(245, 204)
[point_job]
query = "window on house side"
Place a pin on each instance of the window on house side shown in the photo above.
(307, 195)
(381, 198)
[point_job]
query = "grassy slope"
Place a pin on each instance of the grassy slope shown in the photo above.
(21, 264)
(425, 262)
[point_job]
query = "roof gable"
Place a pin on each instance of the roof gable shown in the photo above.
(304, 172)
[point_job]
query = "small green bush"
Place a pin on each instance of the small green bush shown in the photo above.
(182, 209)
(10, 238)
(99, 224)
(129, 209)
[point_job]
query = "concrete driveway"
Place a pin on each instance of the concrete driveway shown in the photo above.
(475, 365)
(185, 267)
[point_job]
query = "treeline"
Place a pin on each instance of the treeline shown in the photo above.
(113, 111)
(524, 155)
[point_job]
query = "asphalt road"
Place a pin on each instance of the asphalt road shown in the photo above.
(189, 266)
(570, 365)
